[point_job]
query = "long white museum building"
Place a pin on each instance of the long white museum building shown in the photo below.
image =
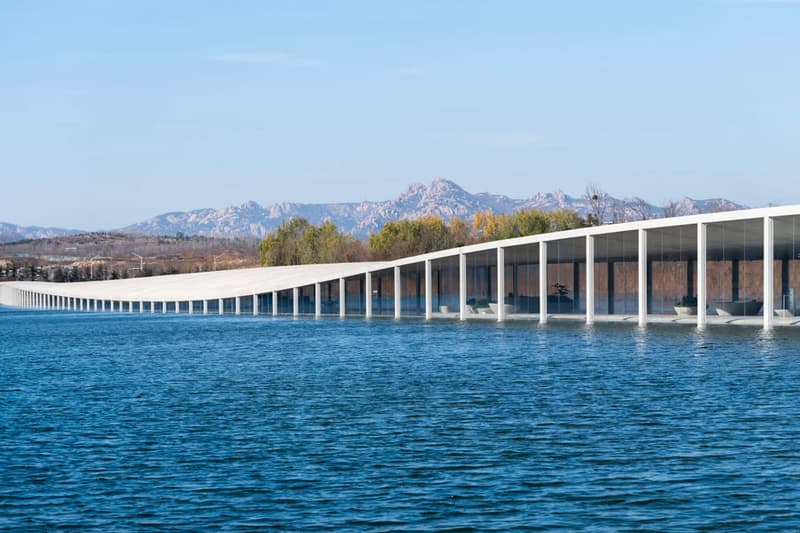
(739, 267)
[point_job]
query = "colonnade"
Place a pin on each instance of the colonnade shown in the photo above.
(17, 295)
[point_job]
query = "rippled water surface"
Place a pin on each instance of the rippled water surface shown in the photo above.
(128, 422)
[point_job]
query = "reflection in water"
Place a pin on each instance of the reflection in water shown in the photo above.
(132, 422)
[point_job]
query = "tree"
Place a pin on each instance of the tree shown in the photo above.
(598, 203)
(298, 242)
(411, 237)
(641, 209)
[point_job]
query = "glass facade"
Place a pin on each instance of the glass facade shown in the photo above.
(306, 295)
(444, 285)
(355, 295)
(265, 303)
(616, 273)
(481, 283)
(246, 305)
(735, 268)
(383, 292)
(522, 278)
(672, 271)
(566, 276)
(285, 302)
(786, 288)
(329, 298)
(412, 289)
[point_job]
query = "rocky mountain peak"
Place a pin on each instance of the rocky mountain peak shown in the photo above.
(442, 197)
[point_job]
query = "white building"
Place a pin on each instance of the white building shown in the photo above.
(739, 267)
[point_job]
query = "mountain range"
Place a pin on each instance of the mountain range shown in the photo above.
(442, 197)
(13, 233)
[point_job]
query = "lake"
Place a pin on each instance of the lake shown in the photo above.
(192, 422)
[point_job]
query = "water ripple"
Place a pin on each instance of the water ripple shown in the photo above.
(139, 422)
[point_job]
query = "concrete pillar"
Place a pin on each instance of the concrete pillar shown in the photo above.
(221, 304)
(501, 284)
(368, 295)
(238, 307)
(398, 296)
(295, 301)
(702, 238)
(642, 304)
(205, 307)
(462, 286)
(274, 303)
(589, 279)
(342, 298)
(317, 299)
(428, 290)
(769, 272)
(543, 283)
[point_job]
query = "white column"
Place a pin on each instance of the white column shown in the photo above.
(398, 297)
(221, 304)
(295, 301)
(542, 282)
(238, 308)
(255, 305)
(342, 302)
(642, 277)
(317, 299)
(205, 307)
(769, 271)
(501, 284)
(589, 279)
(702, 238)
(274, 303)
(428, 290)
(462, 286)
(368, 294)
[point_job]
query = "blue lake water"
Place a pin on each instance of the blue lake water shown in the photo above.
(130, 422)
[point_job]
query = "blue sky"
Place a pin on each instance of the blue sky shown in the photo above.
(112, 112)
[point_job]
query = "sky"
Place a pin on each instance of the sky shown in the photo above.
(113, 112)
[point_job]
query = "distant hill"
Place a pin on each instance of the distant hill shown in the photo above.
(12, 232)
(442, 197)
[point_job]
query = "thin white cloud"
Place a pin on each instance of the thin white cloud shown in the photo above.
(265, 58)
